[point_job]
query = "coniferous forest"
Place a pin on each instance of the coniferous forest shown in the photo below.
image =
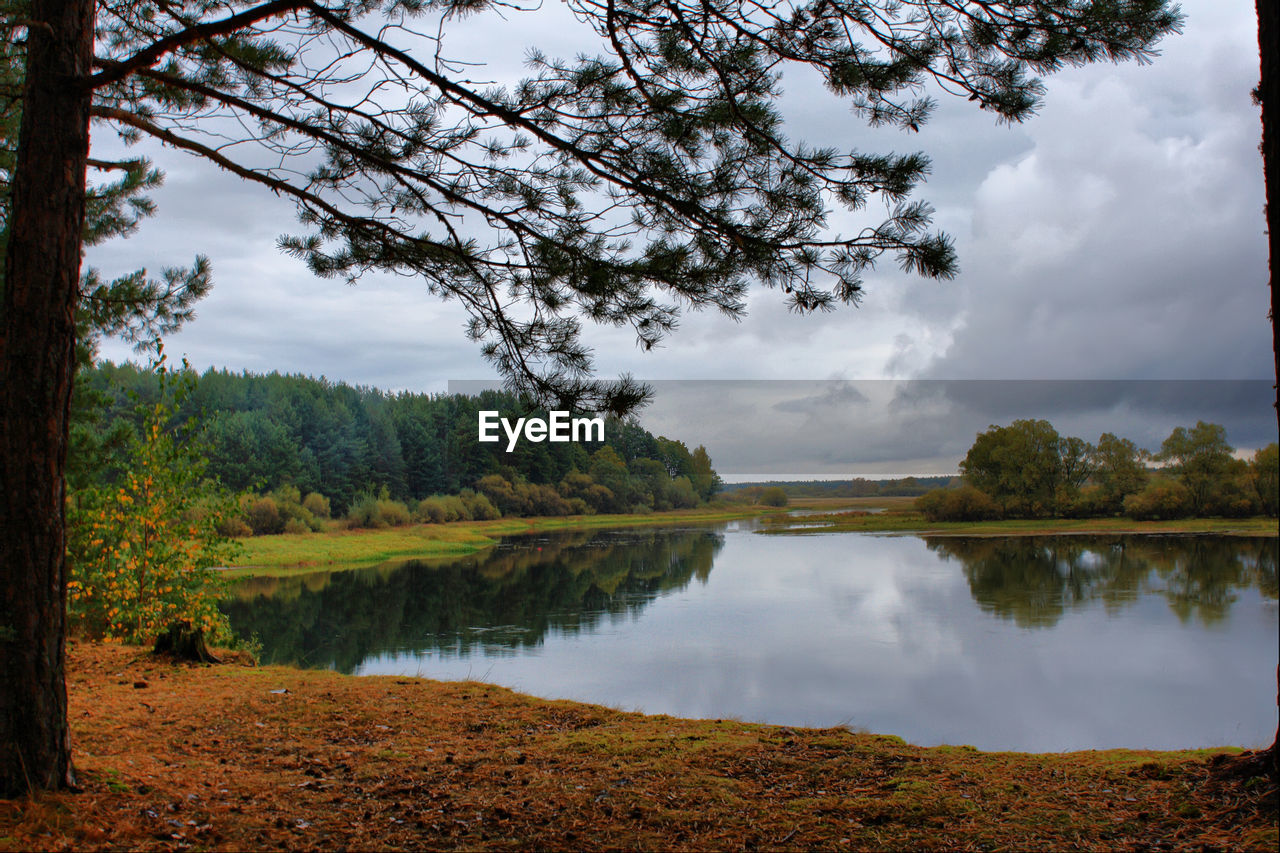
(356, 447)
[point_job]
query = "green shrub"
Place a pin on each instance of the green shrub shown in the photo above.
(377, 511)
(682, 494)
(316, 504)
(478, 506)
(430, 511)
(1234, 499)
(773, 496)
(440, 509)
(1090, 502)
(544, 500)
(294, 525)
(503, 494)
(234, 527)
(393, 513)
(263, 515)
(965, 503)
(289, 500)
(1161, 499)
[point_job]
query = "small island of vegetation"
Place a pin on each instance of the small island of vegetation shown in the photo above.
(1026, 478)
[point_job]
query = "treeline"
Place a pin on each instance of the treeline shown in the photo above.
(1028, 470)
(308, 448)
(858, 487)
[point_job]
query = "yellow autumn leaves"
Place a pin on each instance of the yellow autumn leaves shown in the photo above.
(144, 552)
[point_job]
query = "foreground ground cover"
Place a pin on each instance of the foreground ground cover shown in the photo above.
(179, 756)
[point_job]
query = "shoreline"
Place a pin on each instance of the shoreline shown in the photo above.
(174, 755)
(287, 554)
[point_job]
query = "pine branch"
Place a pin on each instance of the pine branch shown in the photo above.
(114, 71)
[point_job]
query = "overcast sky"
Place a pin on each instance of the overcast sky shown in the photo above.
(1118, 235)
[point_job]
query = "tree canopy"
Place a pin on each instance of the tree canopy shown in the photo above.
(274, 431)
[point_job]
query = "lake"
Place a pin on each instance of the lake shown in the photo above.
(1021, 643)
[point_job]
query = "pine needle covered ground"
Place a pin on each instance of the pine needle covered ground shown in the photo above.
(178, 756)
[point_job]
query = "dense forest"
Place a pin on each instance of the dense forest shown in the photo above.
(354, 449)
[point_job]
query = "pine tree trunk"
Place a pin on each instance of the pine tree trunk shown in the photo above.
(1268, 95)
(37, 358)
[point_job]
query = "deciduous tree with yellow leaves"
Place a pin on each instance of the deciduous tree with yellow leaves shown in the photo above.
(142, 552)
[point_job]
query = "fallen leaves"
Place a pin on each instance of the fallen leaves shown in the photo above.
(219, 758)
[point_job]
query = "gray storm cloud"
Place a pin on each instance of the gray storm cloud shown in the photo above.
(1116, 236)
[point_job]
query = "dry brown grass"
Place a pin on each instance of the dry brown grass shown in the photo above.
(177, 756)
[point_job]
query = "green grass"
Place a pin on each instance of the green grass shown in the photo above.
(288, 554)
(910, 521)
(293, 553)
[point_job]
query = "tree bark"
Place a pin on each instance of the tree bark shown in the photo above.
(37, 360)
(1268, 97)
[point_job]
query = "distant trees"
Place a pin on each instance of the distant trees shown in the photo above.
(773, 496)
(858, 487)
(373, 458)
(1027, 470)
(1200, 460)
(1019, 466)
(284, 510)
(1118, 471)
(1264, 473)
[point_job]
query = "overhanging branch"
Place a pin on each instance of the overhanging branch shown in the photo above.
(115, 71)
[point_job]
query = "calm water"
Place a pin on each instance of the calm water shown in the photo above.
(1039, 644)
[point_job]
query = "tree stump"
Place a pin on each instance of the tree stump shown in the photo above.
(185, 643)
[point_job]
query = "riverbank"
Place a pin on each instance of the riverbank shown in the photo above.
(909, 521)
(173, 756)
(285, 553)
(288, 554)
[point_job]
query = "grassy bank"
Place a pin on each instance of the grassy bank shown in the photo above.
(289, 553)
(902, 520)
(357, 548)
(173, 756)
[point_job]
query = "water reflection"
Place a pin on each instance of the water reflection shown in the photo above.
(1035, 580)
(1028, 644)
(502, 600)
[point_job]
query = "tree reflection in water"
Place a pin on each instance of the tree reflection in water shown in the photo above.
(506, 598)
(1034, 580)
